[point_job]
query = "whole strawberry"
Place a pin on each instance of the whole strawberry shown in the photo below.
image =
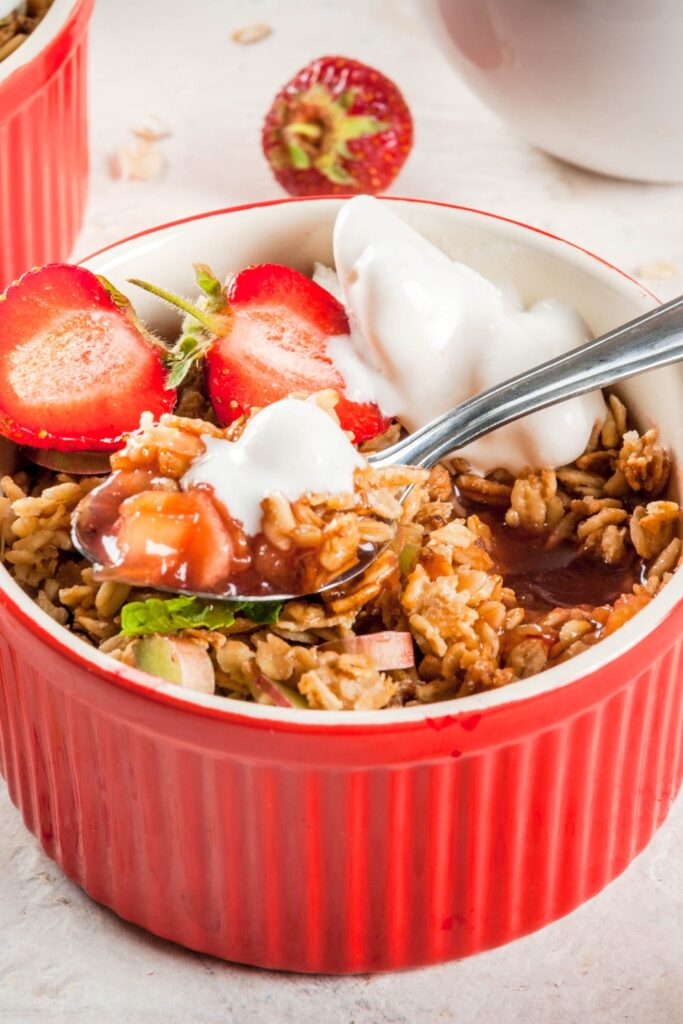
(338, 127)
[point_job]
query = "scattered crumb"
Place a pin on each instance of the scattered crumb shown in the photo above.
(139, 160)
(152, 128)
(658, 270)
(251, 33)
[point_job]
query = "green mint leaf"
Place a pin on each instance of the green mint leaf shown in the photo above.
(140, 618)
(265, 613)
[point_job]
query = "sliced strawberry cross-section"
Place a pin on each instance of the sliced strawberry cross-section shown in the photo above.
(77, 368)
(266, 338)
(277, 345)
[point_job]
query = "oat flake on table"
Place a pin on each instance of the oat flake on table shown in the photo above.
(251, 34)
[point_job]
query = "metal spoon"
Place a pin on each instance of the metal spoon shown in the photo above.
(652, 340)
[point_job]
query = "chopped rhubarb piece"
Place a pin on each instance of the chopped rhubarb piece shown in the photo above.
(178, 661)
(388, 650)
(268, 691)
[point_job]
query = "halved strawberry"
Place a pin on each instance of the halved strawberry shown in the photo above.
(76, 366)
(267, 338)
(277, 345)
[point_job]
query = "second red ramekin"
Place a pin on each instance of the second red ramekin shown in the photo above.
(44, 141)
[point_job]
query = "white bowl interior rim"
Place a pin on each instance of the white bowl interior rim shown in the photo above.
(50, 26)
(571, 671)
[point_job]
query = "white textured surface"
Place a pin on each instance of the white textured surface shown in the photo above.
(62, 958)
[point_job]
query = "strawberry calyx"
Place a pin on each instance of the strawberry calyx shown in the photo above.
(203, 322)
(316, 128)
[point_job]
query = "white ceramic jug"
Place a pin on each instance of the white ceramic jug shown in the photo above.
(596, 82)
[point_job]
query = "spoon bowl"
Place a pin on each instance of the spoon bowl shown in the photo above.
(93, 535)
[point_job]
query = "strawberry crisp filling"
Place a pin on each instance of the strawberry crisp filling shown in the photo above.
(485, 580)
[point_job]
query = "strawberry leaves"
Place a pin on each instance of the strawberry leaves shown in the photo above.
(190, 347)
(322, 143)
(210, 285)
(202, 323)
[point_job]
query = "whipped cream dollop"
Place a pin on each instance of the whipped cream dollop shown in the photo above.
(290, 447)
(428, 332)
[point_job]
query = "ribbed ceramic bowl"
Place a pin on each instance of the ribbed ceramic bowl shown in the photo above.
(339, 842)
(44, 141)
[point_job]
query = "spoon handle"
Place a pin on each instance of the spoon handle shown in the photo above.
(652, 340)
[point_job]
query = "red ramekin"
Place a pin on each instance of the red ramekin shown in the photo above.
(44, 141)
(345, 842)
